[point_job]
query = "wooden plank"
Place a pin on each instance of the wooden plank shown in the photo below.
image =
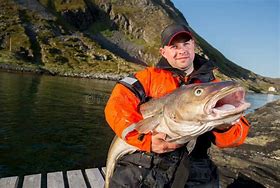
(55, 180)
(10, 182)
(103, 171)
(76, 179)
(32, 181)
(95, 178)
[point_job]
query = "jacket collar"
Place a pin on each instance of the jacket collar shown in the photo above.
(201, 66)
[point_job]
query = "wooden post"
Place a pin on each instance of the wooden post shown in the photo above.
(10, 43)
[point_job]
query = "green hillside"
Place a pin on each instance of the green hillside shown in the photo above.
(105, 39)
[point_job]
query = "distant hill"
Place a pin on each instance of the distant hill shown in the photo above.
(98, 38)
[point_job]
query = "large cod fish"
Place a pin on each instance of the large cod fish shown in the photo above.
(183, 115)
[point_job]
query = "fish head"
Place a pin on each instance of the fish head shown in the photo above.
(210, 101)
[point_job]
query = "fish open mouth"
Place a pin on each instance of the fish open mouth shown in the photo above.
(227, 102)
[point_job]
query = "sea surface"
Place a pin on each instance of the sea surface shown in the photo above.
(52, 124)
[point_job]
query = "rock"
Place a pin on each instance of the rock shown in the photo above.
(81, 18)
(256, 163)
(126, 30)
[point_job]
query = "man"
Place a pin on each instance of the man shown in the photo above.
(157, 162)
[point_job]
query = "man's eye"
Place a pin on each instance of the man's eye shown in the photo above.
(173, 47)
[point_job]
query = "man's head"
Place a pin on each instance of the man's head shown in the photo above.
(178, 46)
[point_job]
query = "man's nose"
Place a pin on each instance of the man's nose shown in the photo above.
(182, 50)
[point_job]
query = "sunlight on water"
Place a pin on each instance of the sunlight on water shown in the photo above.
(259, 100)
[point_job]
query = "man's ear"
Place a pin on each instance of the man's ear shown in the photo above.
(194, 43)
(162, 51)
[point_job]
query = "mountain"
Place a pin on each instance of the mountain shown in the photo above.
(99, 38)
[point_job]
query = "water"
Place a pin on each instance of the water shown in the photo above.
(56, 124)
(258, 100)
(52, 123)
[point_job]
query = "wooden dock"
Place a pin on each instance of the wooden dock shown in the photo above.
(93, 178)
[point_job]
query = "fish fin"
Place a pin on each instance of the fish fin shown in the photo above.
(149, 109)
(148, 124)
(190, 145)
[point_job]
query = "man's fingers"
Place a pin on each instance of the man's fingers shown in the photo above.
(173, 145)
(159, 145)
(167, 147)
(160, 135)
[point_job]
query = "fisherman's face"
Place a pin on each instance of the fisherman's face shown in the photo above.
(180, 53)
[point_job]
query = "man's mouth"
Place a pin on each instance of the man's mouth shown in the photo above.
(182, 58)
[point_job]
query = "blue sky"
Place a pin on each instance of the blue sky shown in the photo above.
(245, 31)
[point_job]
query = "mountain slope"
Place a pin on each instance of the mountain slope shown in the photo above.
(93, 37)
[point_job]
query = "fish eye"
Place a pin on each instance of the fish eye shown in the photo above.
(198, 91)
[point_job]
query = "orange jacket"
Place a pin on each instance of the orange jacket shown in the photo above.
(122, 112)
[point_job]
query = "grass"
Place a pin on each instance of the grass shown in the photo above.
(139, 41)
(74, 5)
(11, 27)
(100, 27)
(127, 10)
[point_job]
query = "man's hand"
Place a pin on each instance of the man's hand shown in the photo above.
(224, 127)
(159, 145)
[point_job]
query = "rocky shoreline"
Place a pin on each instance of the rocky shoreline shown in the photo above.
(92, 75)
(39, 70)
(257, 162)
